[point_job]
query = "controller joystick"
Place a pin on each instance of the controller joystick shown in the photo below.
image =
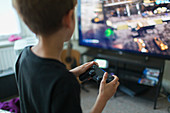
(92, 72)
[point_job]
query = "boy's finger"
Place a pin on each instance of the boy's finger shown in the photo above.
(115, 80)
(95, 63)
(117, 83)
(89, 64)
(104, 77)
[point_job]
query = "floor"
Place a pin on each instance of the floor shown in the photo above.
(122, 103)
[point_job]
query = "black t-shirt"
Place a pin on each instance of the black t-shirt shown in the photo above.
(45, 85)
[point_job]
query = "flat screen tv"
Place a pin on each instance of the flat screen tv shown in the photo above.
(135, 26)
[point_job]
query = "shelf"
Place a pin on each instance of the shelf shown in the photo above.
(129, 68)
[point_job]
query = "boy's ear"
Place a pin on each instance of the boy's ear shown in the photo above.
(68, 19)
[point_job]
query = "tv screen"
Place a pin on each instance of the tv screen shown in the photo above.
(136, 26)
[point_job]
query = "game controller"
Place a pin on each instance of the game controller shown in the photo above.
(96, 74)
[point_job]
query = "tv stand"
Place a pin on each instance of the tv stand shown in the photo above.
(146, 58)
(129, 66)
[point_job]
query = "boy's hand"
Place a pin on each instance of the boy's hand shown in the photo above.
(107, 90)
(83, 68)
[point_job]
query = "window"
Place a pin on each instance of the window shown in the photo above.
(9, 21)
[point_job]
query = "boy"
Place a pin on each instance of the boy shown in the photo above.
(44, 83)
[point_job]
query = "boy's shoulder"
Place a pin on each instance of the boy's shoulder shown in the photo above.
(28, 61)
(30, 57)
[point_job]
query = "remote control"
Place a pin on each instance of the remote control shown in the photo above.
(96, 74)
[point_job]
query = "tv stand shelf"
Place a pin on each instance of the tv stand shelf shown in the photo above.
(125, 65)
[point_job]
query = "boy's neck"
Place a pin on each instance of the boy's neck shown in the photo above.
(49, 47)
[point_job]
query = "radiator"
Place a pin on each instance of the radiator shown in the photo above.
(7, 58)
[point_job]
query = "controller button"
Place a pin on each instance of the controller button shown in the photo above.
(92, 72)
(94, 66)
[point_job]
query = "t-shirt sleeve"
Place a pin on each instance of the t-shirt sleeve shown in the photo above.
(65, 98)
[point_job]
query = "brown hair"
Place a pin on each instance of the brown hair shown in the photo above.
(43, 17)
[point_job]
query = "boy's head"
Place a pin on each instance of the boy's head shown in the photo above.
(44, 17)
